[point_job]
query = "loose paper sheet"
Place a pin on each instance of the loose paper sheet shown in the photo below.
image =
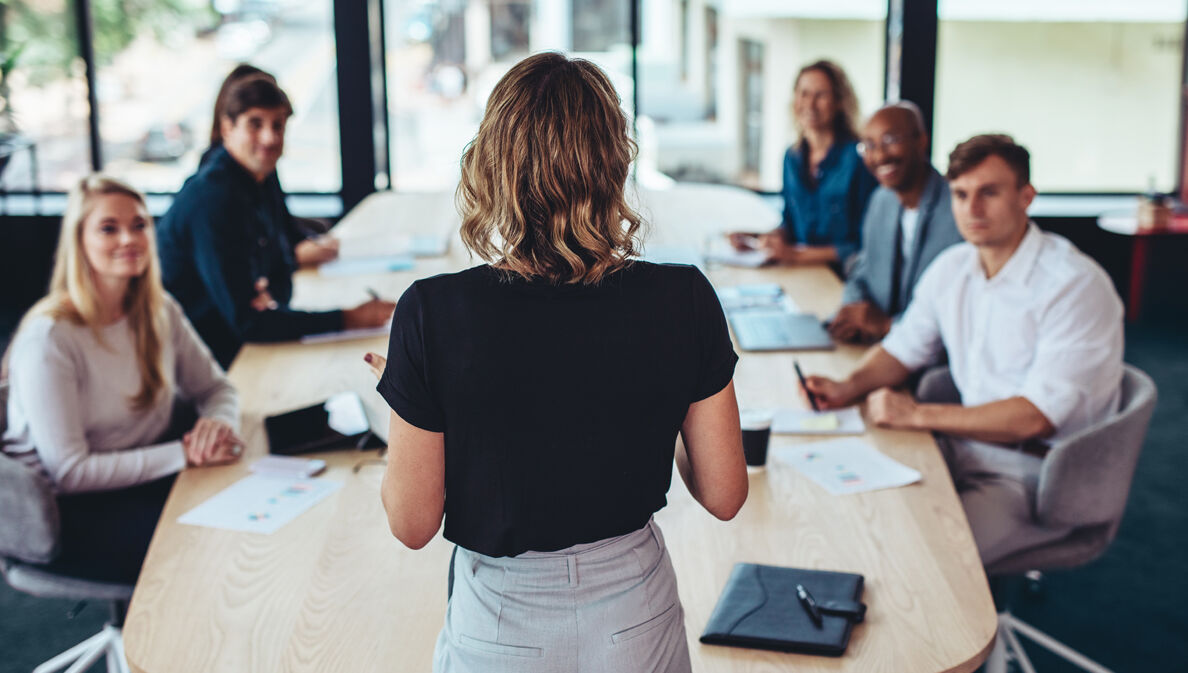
(347, 334)
(259, 503)
(844, 466)
(355, 266)
(846, 421)
(419, 245)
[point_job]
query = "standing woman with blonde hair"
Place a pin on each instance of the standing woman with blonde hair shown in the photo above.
(826, 184)
(95, 368)
(537, 399)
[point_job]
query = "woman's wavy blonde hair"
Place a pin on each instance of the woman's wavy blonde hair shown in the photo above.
(74, 297)
(845, 124)
(542, 188)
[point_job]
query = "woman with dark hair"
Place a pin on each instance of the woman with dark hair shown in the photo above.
(826, 185)
(536, 399)
(310, 245)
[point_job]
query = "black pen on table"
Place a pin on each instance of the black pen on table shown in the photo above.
(809, 605)
(804, 384)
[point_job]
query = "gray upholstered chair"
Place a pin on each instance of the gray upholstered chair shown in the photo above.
(29, 540)
(1084, 483)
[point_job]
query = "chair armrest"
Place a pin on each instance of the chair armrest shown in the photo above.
(29, 527)
(1085, 478)
(936, 386)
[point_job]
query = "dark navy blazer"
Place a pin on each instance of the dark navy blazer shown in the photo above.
(222, 233)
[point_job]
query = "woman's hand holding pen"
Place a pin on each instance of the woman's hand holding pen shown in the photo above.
(372, 313)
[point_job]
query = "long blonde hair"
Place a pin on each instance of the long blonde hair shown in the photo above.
(73, 296)
(546, 174)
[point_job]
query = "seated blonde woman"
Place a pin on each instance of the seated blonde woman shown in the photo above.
(95, 369)
(536, 400)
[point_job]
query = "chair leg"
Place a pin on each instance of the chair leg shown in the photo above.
(1012, 625)
(107, 643)
(1019, 655)
(95, 643)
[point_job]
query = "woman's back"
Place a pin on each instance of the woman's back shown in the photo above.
(560, 404)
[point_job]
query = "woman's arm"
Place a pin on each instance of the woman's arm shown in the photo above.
(46, 386)
(413, 490)
(710, 461)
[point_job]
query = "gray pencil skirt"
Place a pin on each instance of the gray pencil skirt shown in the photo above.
(608, 606)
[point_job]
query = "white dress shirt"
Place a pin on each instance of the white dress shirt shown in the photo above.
(909, 222)
(1046, 327)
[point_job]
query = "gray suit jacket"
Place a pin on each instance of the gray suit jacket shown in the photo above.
(871, 278)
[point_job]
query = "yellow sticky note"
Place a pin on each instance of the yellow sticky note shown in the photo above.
(819, 422)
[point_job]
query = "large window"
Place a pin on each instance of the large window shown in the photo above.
(160, 65)
(445, 56)
(43, 98)
(1092, 89)
(716, 79)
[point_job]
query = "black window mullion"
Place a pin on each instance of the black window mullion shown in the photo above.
(356, 104)
(86, 49)
(911, 54)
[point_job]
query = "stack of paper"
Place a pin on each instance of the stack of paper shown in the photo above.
(843, 466)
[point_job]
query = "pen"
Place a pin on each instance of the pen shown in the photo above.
(373, 293)
(809, 605)
(804, 384)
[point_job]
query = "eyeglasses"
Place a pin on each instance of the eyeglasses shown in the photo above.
(888, 141)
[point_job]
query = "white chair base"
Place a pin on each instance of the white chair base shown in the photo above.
(109, 642)
(1008, 648)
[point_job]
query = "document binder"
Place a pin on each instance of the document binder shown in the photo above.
(759, 609)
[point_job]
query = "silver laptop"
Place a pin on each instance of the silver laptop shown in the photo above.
(777, 330)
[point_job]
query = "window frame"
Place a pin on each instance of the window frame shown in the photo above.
(909, 72)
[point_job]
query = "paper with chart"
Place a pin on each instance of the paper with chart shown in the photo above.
(259, 503)
(844, 466)
(846, 421)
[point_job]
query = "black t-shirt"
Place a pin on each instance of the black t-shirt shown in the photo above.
(560, 404)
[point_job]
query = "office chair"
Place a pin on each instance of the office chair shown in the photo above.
(29, 541)
(1084, 482)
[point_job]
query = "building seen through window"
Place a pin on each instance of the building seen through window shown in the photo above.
(159, 65)
(1092, 89)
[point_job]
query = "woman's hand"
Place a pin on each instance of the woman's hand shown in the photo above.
(211, 442)
(377, 363)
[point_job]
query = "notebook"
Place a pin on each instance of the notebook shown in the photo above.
(778, 330)
(759, 609)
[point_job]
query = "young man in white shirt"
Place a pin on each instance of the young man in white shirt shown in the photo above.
(1033, 330)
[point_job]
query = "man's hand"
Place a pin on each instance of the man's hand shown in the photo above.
(369, 314)
(830, 394)
(894, 409)
(860, 322)
(314, 251)
(211, 442)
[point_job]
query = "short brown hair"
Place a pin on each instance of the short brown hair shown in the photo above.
(239, 73)
(845, 124)
(971, 153)
(542, 188)
(256, 91)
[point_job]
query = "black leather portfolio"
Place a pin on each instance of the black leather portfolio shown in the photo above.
(760, 608)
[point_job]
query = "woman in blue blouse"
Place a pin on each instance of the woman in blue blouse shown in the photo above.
(826, 186)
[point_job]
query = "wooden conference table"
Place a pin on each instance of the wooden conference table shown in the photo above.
(334, 591)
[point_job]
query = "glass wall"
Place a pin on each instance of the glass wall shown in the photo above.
(715, 80)
(160, 64)
(1092, 89)
(445, 56)
(43, 98)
